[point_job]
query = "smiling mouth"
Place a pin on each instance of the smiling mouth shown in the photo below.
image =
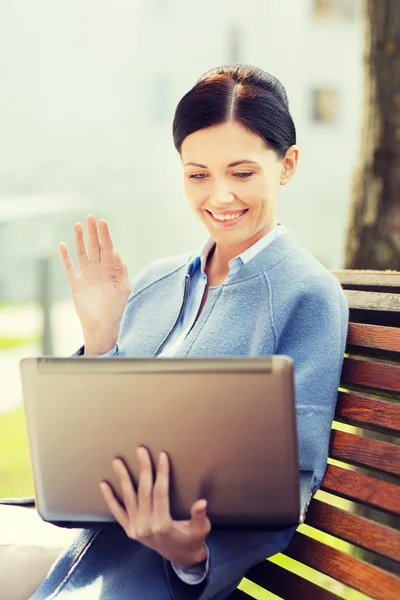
(227, 217)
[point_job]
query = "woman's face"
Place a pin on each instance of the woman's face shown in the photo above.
(232, 181)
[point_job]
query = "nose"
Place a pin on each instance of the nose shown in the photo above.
(221, 195)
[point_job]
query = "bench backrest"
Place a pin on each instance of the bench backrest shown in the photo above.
(360, 501)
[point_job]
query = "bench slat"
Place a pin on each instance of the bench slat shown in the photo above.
(371, 374)
(359, 278)
(238, 595)
(369, 413)
(354, 529)
(379, 301)
(363, 489)
(365, 452)
(352, 571)
(286, 584)
(374, 336)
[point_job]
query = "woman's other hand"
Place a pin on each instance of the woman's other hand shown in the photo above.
(101, 288)
(146, 516)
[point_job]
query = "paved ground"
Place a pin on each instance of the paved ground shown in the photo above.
(27, 321)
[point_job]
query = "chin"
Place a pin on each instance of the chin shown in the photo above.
(232, 237)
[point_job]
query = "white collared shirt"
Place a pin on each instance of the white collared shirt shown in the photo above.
(198, 282)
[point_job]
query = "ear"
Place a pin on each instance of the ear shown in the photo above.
(289, 164)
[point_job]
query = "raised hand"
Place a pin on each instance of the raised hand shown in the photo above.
(101, 288)
(145, 515)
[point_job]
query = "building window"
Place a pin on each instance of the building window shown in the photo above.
(234, 44)
(160, 6)
(336, 9)
(324, 105)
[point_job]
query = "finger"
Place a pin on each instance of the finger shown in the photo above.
(118, 263)
(113, 504)
(199, 518)
(161, 505)
(94, 248)
(106, 242)
(80, 247)
(68, 265)
(128, 491)
(145, 487)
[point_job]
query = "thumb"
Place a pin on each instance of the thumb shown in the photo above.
(199, 514)
(121, 270)
(117, 259)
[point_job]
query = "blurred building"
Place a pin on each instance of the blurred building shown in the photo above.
(88, 95)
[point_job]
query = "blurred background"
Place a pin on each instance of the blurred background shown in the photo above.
(87, 98)
(88, 93)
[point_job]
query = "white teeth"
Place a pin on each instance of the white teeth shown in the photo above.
(227, 217)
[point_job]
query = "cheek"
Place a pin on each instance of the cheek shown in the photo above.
(195, 194)
(255, 193)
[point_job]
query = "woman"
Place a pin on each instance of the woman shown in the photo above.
(251, 290)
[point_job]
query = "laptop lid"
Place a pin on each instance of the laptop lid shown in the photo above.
(228, 425)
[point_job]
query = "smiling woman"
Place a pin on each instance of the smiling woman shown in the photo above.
(249, 291)
(224, 193)
(236, 139)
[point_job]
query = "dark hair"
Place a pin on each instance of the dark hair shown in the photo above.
(244, 94)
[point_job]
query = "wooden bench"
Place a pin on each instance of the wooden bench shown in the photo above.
(364, 464)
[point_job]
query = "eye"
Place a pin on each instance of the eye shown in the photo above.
(198, 176)
(243, 174)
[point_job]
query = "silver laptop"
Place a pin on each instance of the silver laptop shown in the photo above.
(227, 424)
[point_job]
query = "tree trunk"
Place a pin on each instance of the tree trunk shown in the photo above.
(373, 237)
(373, 240)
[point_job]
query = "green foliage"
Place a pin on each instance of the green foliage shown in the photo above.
(15, 468)
(15, 342)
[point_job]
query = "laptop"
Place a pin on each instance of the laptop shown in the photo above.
(227, 424)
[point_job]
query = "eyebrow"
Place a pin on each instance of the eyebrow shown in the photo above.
(232, 164)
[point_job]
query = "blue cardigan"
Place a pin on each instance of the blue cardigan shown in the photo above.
(283, 301)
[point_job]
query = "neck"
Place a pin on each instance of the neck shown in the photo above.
(218, 260)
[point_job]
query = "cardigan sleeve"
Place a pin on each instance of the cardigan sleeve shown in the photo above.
(314, 336)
